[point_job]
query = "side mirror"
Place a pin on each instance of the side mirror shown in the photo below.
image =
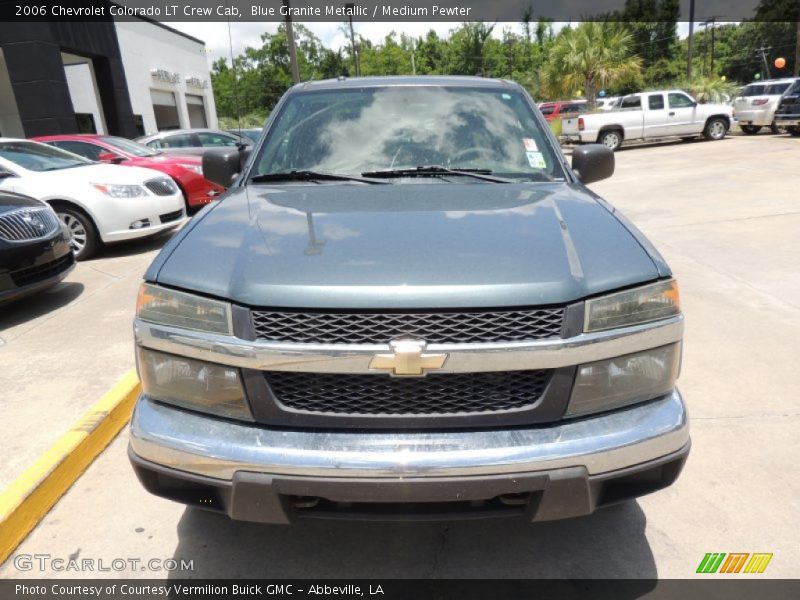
(223, 165)
(110, 157)
(593, 162)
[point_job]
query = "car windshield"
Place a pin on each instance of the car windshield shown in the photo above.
(753, 90)
(40, 157)
(363, 130)
(129, 147)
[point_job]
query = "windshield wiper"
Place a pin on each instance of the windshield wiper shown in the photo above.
(435, 171)
(310, 176)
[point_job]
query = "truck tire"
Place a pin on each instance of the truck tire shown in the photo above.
(611, 138)
(795, 131)
(716, 128)
(750, 129)
(85, 240)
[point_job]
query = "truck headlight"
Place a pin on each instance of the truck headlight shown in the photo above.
(632, 307)
(120, 191)
(179, 309)
(193, 384)
(624, 380)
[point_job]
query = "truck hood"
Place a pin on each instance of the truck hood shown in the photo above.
(423, 245)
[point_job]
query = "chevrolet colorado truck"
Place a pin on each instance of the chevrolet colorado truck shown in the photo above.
(408, 305)
(650, 115)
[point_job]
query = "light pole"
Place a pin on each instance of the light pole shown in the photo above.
(691, 40)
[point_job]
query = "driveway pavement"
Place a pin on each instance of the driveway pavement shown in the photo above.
(725, 215)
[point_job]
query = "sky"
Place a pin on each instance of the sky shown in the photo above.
(332, 35)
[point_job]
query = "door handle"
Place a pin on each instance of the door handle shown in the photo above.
(672, 114)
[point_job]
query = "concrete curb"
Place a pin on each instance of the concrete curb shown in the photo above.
(29, 497)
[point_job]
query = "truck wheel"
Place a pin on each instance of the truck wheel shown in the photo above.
(85, 240)
(751, 129)
(716, 129)
(795, 131)
(611, 139)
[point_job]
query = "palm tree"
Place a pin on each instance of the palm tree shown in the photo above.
(593, 56)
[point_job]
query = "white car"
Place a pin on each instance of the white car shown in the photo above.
(98, 203)
(756, 103)
(650, 115)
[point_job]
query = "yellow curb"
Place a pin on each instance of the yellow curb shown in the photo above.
(29, 498)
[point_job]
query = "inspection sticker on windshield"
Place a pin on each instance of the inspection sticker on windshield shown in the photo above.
(536, 160)
(530, 145)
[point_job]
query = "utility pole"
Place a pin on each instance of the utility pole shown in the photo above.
(796, 71)
(691, 40)
(713, 20)
(290, 42)
(763, 52)
(350, 7)
(704, 25)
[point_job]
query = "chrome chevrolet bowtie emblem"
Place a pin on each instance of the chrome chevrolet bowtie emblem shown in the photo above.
(408, 358)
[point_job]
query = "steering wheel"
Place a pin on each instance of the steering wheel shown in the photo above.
(476, 150)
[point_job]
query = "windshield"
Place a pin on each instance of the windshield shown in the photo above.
(129, 147)
(40, 157)
(355, 131)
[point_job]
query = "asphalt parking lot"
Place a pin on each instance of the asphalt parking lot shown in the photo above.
(726, 217)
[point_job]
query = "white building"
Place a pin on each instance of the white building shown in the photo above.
(124, 78)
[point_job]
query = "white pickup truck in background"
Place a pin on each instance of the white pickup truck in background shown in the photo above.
(650, 115)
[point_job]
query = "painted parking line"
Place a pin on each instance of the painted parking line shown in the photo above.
(29, 497)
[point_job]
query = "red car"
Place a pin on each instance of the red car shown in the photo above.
(187, 171)
(556, 110)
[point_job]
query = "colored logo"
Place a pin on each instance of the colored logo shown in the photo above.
(735, 562)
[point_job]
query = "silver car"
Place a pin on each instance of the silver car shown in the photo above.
(755, 106)
(193, 141)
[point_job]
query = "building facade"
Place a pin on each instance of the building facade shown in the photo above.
(122, 78)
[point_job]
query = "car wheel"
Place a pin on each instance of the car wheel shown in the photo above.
(774, 128)
(715, 129)
(611, 139)
(84, 234)
(751, 129)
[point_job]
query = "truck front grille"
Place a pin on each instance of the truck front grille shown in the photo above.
(434, 394)
(434, 328)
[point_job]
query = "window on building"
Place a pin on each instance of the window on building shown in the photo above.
(655, 102)
(195, 106)
(85, 123)
(165, 109)
(138, 122)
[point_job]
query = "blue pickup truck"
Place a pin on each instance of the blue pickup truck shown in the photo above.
(408, 305)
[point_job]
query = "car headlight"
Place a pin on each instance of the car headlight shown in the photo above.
(632, 307)
(193, 384)
(120, 191)
(179, 309)
(624, 380)
(196, 168)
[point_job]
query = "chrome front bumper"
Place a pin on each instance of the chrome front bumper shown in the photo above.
(214, 448)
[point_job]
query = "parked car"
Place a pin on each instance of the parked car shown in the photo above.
(98, 203)
(418, 309)
(186, 171)
(192, 141)
(562, 109)
(35, 252)
(251, 133)
(756, 104)
(650, 115)
(787, 114)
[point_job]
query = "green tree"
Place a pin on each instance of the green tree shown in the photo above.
(592, 56)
